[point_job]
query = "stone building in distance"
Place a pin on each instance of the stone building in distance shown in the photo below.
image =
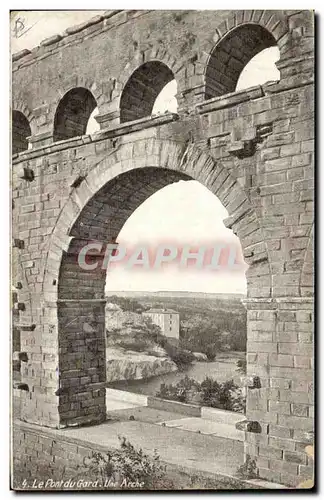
(167, 319)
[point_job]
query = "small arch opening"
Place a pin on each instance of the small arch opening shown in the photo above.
(230, 57)
(73, 113)
(166, 101)
(142, 90)
(260, 69)
(20, 131)
(93, 125)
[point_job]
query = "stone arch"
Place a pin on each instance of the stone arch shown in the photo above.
(142, 89)
(72, 113)
(235, 42)
(187, 160)
(21, 130)
(81, 81)
(19, 105)
(96, 211)
(155, 53)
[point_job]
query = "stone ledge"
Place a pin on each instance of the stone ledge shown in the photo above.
(29, 154)
(230, 100)
(20, 54)
(110, 13)
(279, 300)
(262, 484)
(63, 301)
(289, 83)
(234, 98)
(26, 328)
(39, 138)
(51, 40)
(111, 133)
(80, 27)
(290, 61)
(130, 397)
(134, 126)
(221, 416)
(63, 436)
(176, 406)
(279, 303)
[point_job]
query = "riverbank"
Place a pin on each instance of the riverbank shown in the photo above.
(221, 369)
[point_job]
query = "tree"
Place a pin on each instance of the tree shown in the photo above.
(126, 304)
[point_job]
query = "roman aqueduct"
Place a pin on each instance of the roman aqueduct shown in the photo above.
(252, 148)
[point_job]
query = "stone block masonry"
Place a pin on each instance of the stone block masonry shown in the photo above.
(284, 405)
(254, 149)
(50, 460)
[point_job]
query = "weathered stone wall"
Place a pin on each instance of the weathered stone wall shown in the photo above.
(122, 41)
(281, 353)
(41, 456)
(253, 149)
(46, 460)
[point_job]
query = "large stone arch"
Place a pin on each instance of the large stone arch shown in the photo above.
(266, 28)
(75, 301)
(186, 159)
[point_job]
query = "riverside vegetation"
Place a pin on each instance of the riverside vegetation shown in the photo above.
(224, 396)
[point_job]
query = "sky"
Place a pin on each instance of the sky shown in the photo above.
(183, 212)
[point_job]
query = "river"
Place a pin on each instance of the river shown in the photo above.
(221, 369)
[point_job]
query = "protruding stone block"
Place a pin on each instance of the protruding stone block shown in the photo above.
(17, 243)
(27, 174)
(21, 386)
(51, 40)
(19, 306)
(20, 54)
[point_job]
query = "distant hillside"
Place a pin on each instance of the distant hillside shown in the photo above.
(186, 303)
(209, 323)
